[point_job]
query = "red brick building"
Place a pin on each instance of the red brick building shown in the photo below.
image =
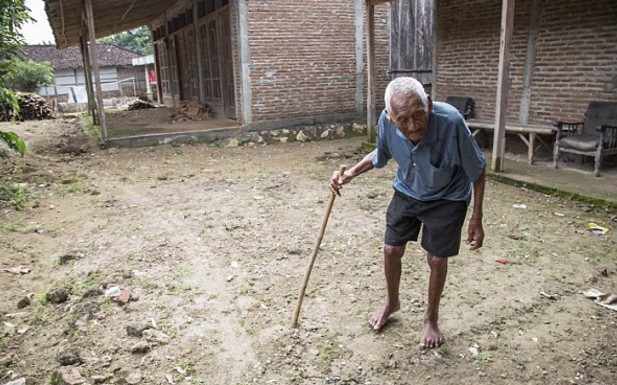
(563, 55)
(265, 61)
(269, 60)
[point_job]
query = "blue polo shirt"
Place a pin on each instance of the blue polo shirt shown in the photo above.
(442, 165)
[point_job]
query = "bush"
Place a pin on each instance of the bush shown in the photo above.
(28, 76)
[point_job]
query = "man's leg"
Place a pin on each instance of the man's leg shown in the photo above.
(392, 269)
(431, 336)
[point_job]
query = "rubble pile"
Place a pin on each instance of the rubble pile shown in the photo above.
(139, 104)
(190, 110)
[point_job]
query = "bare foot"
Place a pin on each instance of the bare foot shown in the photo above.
(380, 316)
(431, 336)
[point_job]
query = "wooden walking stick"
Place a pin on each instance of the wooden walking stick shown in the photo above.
(324, 221)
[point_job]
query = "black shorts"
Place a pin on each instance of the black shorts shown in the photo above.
(441, 220)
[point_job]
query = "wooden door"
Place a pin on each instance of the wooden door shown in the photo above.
(226, 65)
(184, 69)
(216, 61)
(192, 86)
(411, 40)
(174, 72)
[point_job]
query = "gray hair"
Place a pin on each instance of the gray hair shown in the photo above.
(405, 86)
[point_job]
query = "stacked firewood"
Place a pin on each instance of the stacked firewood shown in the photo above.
(190, 110)
(31, 107)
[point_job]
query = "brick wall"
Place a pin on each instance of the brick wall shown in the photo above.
(575, 61)
(303, 59)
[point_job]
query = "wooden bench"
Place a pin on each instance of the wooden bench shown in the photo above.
(527, 132)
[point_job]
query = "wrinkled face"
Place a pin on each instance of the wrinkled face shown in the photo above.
(409, 117)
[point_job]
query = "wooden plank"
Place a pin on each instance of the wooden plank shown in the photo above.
(411, 36)
(371, 119)
(513, 127)
(499, 140)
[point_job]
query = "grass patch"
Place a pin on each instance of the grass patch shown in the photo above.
(12, 195)
(484, 358)
(79, 286)
(39, 315)
(18, 227)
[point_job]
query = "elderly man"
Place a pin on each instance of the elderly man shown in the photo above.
(438, 163)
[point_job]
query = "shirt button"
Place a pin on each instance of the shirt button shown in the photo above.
(414, 164)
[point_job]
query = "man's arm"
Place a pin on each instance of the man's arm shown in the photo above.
(475, 232)
(362, 166)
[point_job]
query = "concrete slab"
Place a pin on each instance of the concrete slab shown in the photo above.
(577, 181)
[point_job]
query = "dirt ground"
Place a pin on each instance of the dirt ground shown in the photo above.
(212, 245)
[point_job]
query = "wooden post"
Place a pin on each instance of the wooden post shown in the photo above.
(95, 65)
(87, 74)
(157, 68)
(499, 140)
(371, 120)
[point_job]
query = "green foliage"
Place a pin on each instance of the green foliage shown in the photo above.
(13, 141)
(28, 76)
(9, 105)
(14, 14)
(137, 40)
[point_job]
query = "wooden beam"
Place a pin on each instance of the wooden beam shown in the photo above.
(499, 140)
(371, 120)
(377, 2)
(95, 65)
(62, 21)
(85, 55)
(157, 68)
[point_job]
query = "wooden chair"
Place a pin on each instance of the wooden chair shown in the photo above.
(464, 105)
(596, 136)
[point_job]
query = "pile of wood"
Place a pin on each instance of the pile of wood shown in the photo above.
(139, 104)
(190, 110)
(31, 107)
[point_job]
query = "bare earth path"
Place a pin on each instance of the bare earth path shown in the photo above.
(213, 244)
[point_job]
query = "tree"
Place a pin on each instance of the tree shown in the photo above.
(28, 76)
(137, 40)
(14, 14)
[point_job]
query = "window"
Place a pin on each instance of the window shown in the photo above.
(163, 67)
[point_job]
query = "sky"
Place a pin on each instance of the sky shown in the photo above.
(38, 32)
